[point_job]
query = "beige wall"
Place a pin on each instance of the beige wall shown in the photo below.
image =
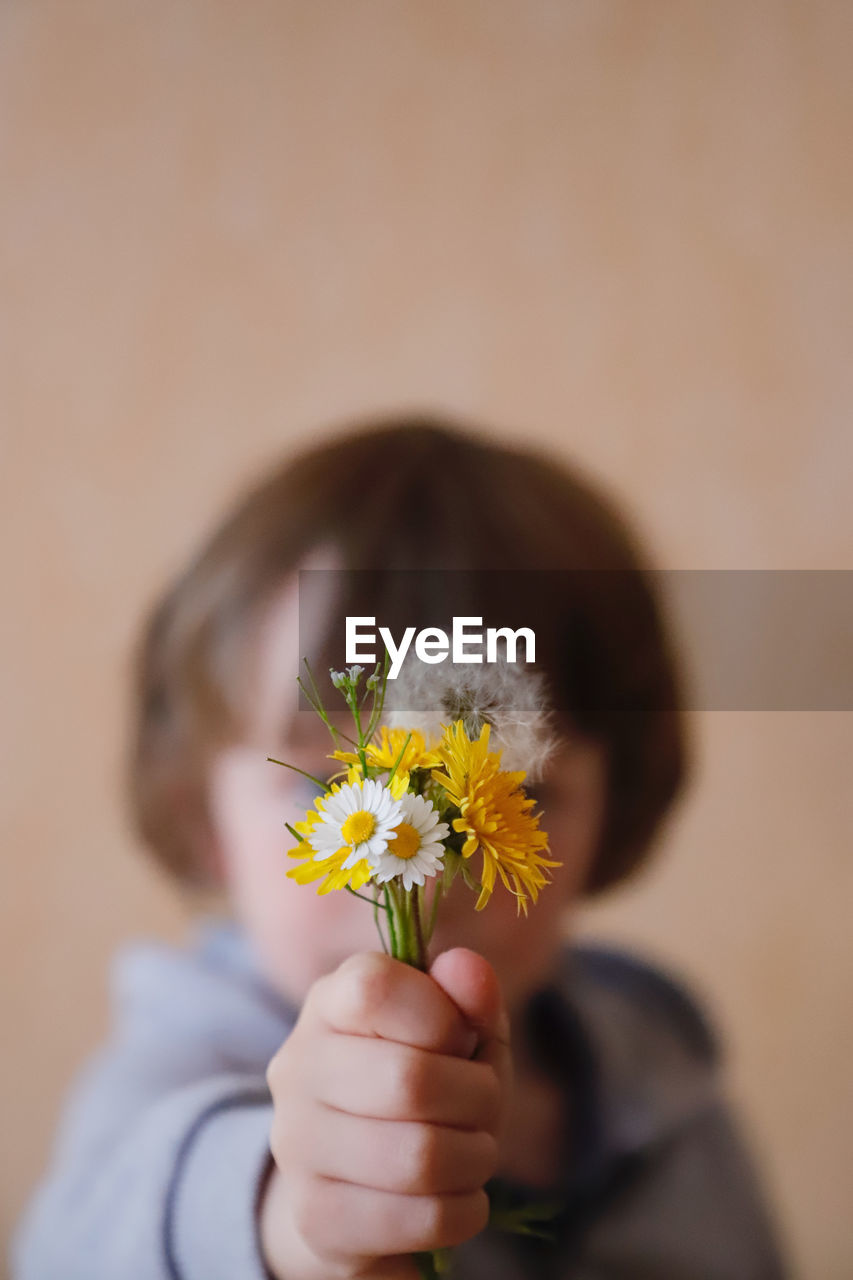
(621, 228)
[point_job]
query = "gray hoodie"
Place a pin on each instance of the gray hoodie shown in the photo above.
(165, 1134)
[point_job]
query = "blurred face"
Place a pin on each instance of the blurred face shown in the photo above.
(299, 935)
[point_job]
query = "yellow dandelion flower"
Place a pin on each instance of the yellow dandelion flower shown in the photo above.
(385, 752)
(495, 815)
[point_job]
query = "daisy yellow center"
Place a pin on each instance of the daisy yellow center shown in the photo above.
(358, 827)
(406, 841)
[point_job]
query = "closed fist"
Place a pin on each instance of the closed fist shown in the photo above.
(389, 1096)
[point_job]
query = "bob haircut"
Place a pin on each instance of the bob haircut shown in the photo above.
(412, 492)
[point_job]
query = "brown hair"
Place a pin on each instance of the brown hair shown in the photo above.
(414, 492)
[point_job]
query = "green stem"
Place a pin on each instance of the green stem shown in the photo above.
(311, 699)
(363, 897)
(392, 929)
(379, 698)
(314, 696)
(317, 703)
(377, 906)
(319, 783)
(420, 946)
(399, 911)
(361, 737)
(406, 922)
(433, 915)
(407, 949)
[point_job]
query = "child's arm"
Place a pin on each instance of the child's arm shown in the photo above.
(164, 1136)
(168, 1194)
(692, 1207)
(161, 1167)
(681, 1196)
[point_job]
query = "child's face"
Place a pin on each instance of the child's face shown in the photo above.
(299, 935)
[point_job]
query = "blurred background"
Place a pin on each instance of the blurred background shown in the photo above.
(622, 230)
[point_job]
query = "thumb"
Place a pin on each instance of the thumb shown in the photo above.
(472, 985)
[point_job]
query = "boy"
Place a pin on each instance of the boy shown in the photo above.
(281, 1100)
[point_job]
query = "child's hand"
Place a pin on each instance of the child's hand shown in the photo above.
(385, 1129)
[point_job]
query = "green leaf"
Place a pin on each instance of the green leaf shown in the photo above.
(525, 1219)
(433, 1264)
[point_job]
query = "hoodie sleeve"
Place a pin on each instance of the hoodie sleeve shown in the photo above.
(164, 1137)
(170, 1196)
(689, 1209)
(675, 1193)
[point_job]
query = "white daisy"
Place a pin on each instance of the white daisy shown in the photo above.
(415, 850)
(360, 816)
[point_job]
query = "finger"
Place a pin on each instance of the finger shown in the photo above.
(472, 984)
(373, 995)
(357, 1221)
(396, 1155)
(390, 1081)
(297, 1237)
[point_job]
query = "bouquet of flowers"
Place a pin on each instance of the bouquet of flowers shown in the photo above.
(414, 803)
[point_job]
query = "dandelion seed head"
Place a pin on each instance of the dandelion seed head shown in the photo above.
(507, 695)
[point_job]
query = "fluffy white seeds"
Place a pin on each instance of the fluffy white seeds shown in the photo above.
(510, 697)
